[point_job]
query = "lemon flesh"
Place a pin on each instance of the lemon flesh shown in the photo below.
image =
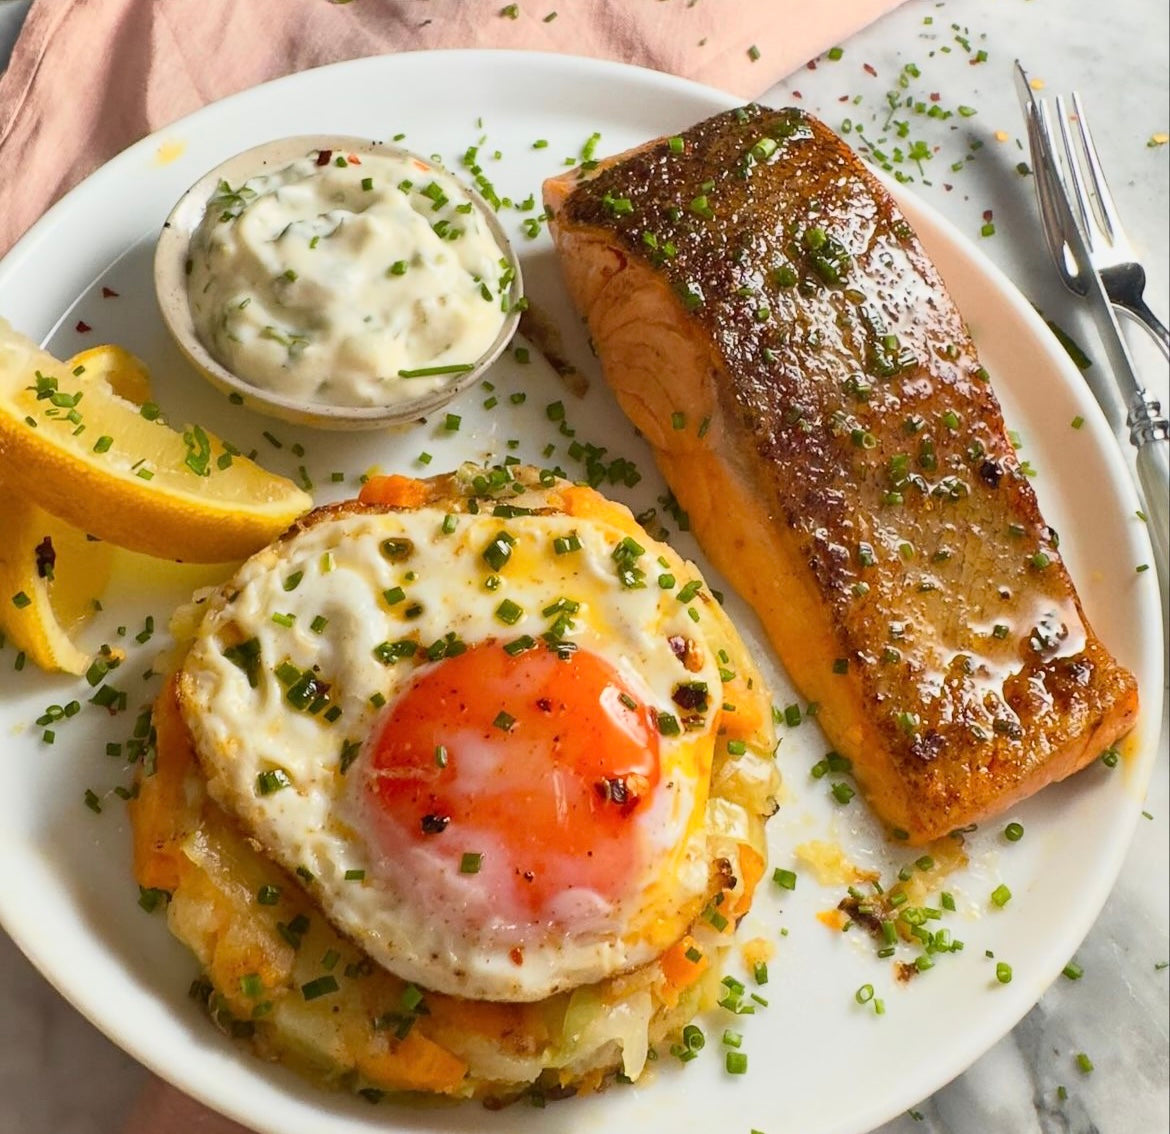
(50, 575)
(125, 373)
(91, 457)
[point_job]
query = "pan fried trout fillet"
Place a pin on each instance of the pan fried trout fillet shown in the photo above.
(769, 321)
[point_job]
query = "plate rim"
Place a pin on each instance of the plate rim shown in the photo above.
(569, 68)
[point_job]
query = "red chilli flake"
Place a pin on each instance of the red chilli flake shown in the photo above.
(324, 157)
(869, 70)
(82, 327)
(935, 96)
(811, 64)
(987, 214)
(109, 293)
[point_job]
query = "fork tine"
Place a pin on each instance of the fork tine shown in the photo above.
(1080, 222)
(1051, 189)
(1102, 197)
(1073, 171)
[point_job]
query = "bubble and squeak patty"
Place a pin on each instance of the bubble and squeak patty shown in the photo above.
(496, 753)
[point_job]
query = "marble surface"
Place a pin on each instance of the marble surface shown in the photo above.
(58, 1075)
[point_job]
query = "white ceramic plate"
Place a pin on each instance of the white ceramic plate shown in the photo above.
(819, 1063)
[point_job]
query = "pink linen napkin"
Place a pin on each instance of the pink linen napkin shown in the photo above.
(88, 77)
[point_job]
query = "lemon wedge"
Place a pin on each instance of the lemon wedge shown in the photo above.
(50, 575)
(95, 459)
(125, 373)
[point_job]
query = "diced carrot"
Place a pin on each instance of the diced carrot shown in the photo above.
(833, 919)
(414, 1063)
(751, 870)
(586, 1084)
(748, 718)
(396, 491)
(680, 970)
(580, 500)
(161, 814)
(245, 945)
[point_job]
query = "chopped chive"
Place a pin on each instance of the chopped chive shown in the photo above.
(842, 792)
(434, 371)
(271, 781)
(499, 550)
(509, 612)
(736, 1062)
(668, 724)
(350, 750)
(322, 986)
(151, 897)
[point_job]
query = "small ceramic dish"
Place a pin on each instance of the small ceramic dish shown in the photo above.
(173, 266)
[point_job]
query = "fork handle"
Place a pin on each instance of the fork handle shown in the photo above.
(1150, 433)
(1141, 314)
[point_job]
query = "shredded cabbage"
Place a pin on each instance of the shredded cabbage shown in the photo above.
(592, 1024)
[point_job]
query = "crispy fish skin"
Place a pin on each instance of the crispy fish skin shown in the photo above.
(769, 321)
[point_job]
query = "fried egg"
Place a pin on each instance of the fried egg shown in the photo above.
(480, 731)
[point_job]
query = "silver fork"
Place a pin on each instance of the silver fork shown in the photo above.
(1110, 250)
(1062, 209)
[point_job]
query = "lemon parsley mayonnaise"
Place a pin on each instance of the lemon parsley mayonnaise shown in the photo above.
(349, 279)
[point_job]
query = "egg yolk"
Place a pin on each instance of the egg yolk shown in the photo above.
(542, 759)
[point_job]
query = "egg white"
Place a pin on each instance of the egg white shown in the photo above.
(409, 911)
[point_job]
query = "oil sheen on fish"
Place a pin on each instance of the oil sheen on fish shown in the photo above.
(770, 322)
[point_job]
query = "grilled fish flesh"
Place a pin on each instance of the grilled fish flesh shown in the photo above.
(769, 320)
